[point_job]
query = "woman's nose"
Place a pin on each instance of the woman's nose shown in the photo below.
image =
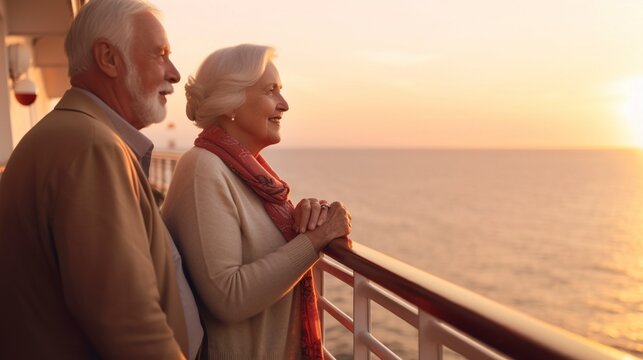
(283, 104)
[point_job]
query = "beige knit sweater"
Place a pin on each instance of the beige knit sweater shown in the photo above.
(242, 270)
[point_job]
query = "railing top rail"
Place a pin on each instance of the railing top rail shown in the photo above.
(165, 154)
(508, 331)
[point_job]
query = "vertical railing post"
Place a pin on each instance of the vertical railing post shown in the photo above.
(361, 318)
(164, 176)
(429, 346)
(318, 278)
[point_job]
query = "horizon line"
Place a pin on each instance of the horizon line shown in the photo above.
(436, 148)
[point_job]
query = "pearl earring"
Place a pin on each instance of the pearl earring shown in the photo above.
(232, 119)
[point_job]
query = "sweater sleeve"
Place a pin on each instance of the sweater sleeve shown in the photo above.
(103, 253)
(207, 223)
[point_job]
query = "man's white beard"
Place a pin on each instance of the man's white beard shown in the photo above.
(147, 106)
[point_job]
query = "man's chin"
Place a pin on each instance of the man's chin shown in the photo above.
(160, 115)
(155, 117)
(158, 120)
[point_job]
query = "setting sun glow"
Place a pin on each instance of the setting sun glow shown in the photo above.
(454, 74)
(631, 108)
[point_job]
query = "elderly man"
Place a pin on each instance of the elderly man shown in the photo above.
(88, 269)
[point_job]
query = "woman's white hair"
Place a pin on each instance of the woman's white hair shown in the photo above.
(219, 85)
(107, 19)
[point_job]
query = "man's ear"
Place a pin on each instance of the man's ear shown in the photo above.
(108, 58)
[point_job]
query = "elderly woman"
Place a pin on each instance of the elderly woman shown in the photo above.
(248, 251)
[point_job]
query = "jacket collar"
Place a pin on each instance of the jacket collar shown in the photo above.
(80, 100)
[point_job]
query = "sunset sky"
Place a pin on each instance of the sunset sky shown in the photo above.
(420, 73)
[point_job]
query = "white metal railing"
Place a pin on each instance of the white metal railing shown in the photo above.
(161, 169)
(444, 314)
(435, 333)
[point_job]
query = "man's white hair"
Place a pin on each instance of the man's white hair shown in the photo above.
(111, 20)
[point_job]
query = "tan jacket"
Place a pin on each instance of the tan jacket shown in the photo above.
(85, 267)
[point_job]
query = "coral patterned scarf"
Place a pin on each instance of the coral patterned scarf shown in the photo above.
(257, 174)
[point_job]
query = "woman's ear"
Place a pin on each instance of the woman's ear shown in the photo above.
(108, 59)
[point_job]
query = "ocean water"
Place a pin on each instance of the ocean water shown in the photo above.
(555, 234)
